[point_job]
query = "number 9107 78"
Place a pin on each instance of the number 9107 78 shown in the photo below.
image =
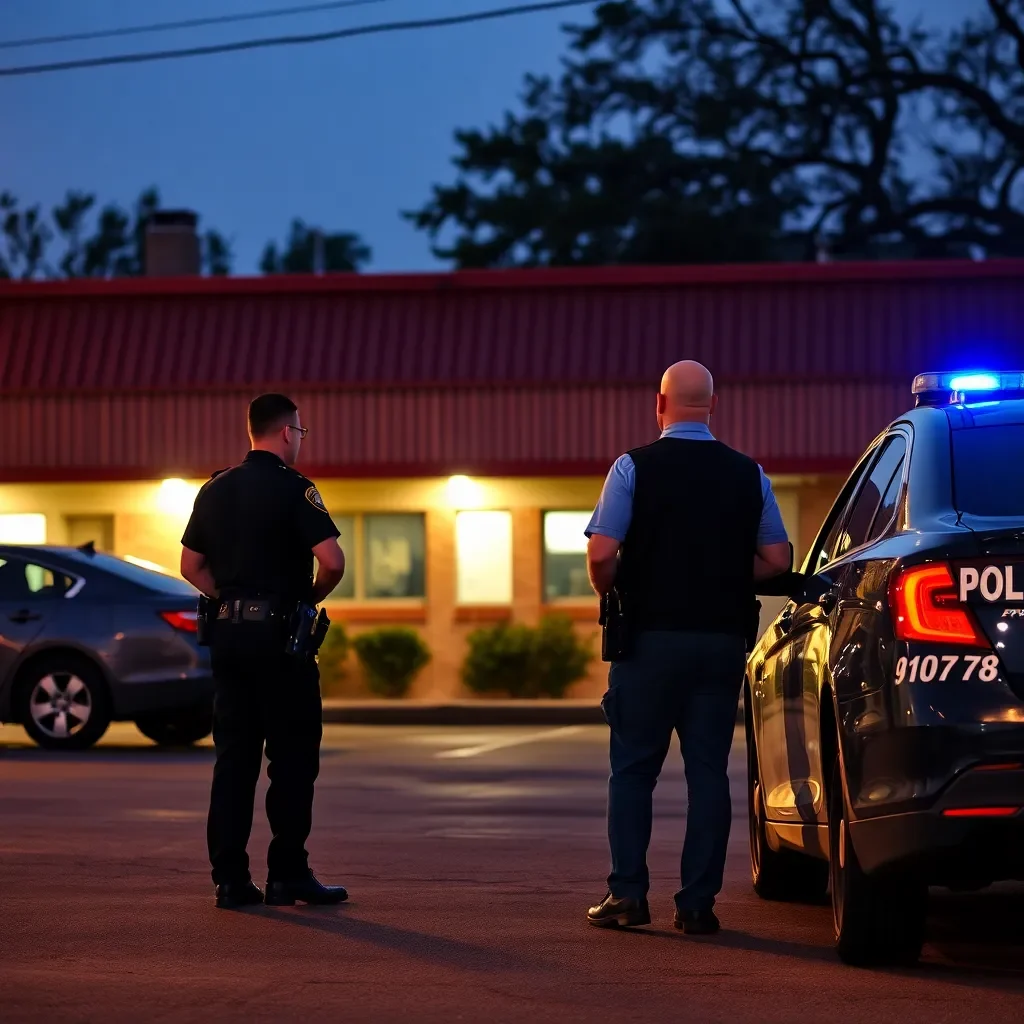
(938, 668)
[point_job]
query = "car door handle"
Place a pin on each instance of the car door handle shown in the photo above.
(828, 601)
(24, 616)
(786, 621)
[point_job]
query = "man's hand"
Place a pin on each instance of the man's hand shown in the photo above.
(330, 568)
(197, 572)
(602, 562)
(772, 560)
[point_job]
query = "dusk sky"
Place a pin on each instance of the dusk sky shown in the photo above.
(343, 134)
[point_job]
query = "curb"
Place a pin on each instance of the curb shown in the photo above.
(484, 712)
(466, 713)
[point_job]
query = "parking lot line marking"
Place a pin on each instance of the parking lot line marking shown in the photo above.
(514, 741)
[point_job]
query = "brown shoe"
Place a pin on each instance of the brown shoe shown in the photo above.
(616, 913)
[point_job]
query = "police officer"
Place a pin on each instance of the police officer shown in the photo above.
(683, 528)
(250, 544)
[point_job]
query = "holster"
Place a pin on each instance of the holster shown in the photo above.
(205, 613)
(616, 635)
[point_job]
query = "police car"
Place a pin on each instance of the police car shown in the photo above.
(884, 705)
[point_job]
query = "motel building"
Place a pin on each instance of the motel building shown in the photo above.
(461, 425)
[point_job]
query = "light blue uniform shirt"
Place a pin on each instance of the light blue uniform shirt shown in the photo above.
(614, 510)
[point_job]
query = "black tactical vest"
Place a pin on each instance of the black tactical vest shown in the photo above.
(687, 562)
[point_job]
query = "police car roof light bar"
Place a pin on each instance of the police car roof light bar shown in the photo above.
(953, 386)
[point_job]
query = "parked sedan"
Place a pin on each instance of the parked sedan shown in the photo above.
(87, 638)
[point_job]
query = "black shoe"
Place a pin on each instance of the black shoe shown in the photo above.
(231, 895)
(615, 913)
(697, 922)
(303, 890)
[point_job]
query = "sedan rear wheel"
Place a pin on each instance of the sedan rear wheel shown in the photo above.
(64, 704)
(783, 875)
(878, 921)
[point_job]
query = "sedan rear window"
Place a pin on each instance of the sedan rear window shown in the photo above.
(987, 480)
(139, 575)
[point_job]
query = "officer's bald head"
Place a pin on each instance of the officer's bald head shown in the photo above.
(687, 394)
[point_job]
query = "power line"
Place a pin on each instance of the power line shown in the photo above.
(318, 37)
(167, 26)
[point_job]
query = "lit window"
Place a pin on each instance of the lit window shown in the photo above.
(394, 556)
(23, 528)
(565, 555)
(346, 589)
(483, 546)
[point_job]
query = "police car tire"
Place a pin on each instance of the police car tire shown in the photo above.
(877, 921)
(179, 728)
(66, 665)
(782, 875)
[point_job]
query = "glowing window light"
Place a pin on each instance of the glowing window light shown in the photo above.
(563, 533)
(22, 528)
(483, 545)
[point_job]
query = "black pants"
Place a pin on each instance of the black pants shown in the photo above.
(689, 684)
(262, 697)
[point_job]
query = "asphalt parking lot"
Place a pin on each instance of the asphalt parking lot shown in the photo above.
(471, 855)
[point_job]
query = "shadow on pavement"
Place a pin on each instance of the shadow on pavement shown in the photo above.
(422, 945)
(730, 939)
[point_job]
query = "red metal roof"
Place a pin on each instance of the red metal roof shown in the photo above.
(852, 321)
(794, 427)
(533, 371)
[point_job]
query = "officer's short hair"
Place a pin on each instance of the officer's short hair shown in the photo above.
(270, 412)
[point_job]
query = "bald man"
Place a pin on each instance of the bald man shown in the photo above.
(683, 529)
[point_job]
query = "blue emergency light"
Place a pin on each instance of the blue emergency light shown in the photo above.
(956, 386)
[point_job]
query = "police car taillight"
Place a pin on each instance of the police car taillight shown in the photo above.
(925, 607)
(965, 385)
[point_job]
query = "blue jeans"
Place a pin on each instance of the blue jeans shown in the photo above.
(687, 683)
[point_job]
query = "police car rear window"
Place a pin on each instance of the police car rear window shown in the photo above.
(987, 479)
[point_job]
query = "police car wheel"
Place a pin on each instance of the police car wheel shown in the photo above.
(63, 702)
(180, 728)
(878, 921)
(782, 875)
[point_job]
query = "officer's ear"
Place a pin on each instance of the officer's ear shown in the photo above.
(714, 405)
(662, 402)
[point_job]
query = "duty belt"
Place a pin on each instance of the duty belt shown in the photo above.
(258, 609)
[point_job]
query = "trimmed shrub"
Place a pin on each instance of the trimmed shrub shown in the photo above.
(498, 659)
(332, 657)
(525, 662)
(560, 658)
(391, 658)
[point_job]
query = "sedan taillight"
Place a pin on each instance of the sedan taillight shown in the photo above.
(925, 607)
(185, 621)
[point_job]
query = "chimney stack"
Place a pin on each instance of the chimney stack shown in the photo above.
(172, 244)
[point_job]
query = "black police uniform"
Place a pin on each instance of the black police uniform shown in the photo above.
(257, 524)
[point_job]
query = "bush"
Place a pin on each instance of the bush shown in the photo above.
(499, 658)
(391, 659)
(332, 657)
(560, 657)
(525, 662)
